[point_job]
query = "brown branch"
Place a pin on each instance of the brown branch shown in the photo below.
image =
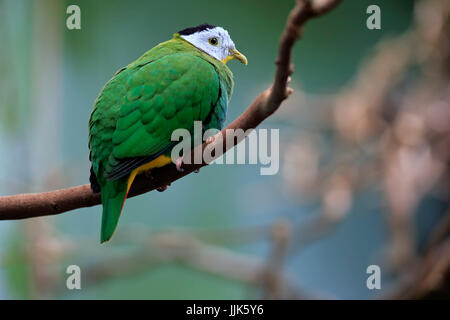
(273, 282)
(184, 249)
(428, 278)
(55, 202)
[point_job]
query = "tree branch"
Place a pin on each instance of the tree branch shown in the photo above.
(175, 247)
(55, 202)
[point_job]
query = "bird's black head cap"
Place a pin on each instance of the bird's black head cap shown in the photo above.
(191, 30)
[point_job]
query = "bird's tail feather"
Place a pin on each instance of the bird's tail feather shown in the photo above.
(114, 194)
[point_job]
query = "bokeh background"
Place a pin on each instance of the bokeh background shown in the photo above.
(364, 141)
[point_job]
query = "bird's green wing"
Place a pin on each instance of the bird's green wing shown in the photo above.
(161, 96)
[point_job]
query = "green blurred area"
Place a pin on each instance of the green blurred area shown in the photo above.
(115, 33)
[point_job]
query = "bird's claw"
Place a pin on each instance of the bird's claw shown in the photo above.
(210, 140)
(162, 188)
(179, 163)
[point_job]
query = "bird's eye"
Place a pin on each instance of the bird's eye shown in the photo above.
(213, 41)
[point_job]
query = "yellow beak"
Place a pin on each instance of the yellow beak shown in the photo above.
(234, 54)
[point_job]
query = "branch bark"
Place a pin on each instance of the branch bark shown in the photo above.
(24, 206)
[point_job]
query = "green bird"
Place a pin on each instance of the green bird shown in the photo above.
(169, 87)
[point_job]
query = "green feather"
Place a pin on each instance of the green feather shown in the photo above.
(113, 199)
(169, 87)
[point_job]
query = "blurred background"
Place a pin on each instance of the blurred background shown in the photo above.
(364, 171)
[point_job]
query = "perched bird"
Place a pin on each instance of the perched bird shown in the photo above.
(172, 85)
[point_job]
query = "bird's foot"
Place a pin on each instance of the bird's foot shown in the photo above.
(179, 163)
(210, 140)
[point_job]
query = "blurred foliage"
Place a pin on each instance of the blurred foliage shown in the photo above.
(18, 268)
(15, 44)
(330, 56)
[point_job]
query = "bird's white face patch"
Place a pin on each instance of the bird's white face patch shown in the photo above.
(215, 41)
